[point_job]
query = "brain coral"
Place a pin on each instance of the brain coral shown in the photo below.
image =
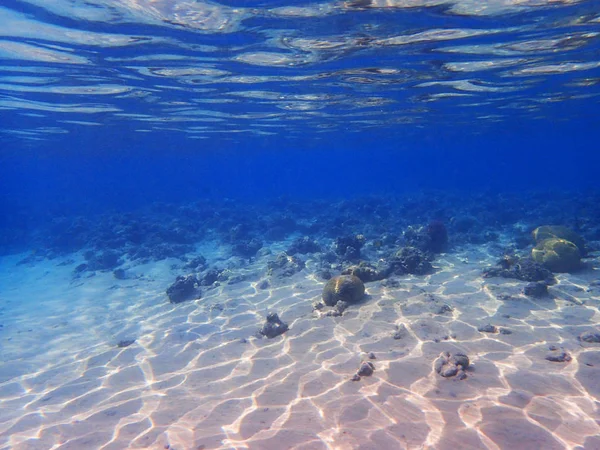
(558, 255)
(558, 231)
(347, 288)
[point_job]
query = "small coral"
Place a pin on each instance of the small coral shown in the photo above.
(347, 288)
(438, 236)
(273, 326)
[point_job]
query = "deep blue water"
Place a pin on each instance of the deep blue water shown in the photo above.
(116, 107)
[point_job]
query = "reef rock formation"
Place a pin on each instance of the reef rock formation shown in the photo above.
(411, 260)
(367, 272)
(273, 327)
(450, 365)
(284, 265)
(348, 247)
(303, 246)
(184, 288)
(523, 269)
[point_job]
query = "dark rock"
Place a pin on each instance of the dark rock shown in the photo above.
(303, 246)
(273, 327)
(284, 265)
(358, 4)
(248, 249)
(351, 254)
(390, 283)
(449, 371)
(125, 343)
(416, 237)
(80, 268)
(119, 274)
(355, 377)
(400, 332)
(263, 284)
(371, 355)
(505, 331)
(276, 233)
(432, 238)
(349, 246)
(347, 288)
(209, 277)
(184, 288)
(558, 356)
(341, 306)
(460, 359)
(536, 289)
(440, 362)
(106, 260)
(318, 306)
(366, 369)
(411, 260)
(367, 272)
(325, 275)
(449, 365)
(234, 279)
(590, 336)
(464, 224)
(489, 328)
(197, 264)
(443, 309)
(524, 269)
(438, 236)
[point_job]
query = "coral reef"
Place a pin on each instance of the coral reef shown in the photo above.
(303, 246)
(411, 260)
(524, 269)
(284, 265)
(348, 247)
(367, 272)
(184, 288)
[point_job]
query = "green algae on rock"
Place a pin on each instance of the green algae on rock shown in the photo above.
(558, 255)
(544, 232)
(346, 288)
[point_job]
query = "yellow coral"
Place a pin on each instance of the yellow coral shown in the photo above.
(544, 232)
(347, 288)
(558, 255)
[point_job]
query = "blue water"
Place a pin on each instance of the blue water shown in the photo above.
(119, 105)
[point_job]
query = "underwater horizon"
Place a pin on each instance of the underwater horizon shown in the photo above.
(360, 224)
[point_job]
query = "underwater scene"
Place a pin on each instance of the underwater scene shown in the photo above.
(298, 224)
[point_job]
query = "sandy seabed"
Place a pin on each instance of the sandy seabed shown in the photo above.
(197, 378)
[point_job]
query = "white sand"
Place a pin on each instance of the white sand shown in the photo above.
(190, 380)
